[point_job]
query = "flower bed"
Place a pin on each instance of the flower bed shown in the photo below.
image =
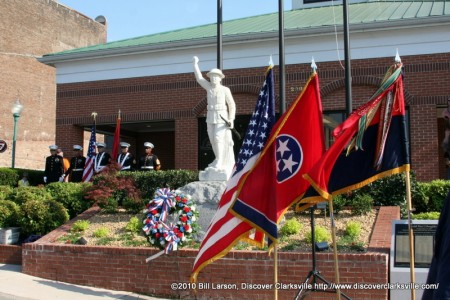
(125, 268)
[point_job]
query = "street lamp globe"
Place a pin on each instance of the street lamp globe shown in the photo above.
(17, 108)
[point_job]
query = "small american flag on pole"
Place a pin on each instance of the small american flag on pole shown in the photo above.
(89, 167)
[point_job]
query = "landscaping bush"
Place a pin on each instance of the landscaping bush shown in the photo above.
(389, 191)
(339, 201)
(9, 213)
(71, 195)
(133, 205)
(134, 225)
(110, 189)
(353, 230)
(24, 193)
(431, 195)
(432, 215)
(5, 192)
(101, 232)
(41, 216)
(361, 204)
(35, 177)
(292, 226)
(8, 177)
(321, 234)
(80, 226)
(148, 182)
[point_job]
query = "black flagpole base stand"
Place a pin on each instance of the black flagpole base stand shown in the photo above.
(311, 283)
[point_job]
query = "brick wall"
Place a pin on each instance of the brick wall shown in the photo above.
(31, 28)
(11, 254)
(125, 268)
(180, 98)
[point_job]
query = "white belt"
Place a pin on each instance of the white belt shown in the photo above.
(217, 107)
(78, 170)
(147, 167)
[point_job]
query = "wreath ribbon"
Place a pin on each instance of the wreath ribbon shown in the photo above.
(164, 200)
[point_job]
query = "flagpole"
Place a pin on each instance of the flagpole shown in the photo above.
(410, 233)
(281, 51)
(333, 236)
(219, 35)
(275, 269)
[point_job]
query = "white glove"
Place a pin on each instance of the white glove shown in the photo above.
(61, 179)
(45, 179)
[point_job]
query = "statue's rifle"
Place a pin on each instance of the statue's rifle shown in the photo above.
(233, 130)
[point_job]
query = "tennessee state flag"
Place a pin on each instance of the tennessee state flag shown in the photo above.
(275, 182)
(371, 144)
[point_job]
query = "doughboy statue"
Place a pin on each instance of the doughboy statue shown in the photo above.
(221, 112)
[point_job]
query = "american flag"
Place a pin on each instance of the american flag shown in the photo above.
(225, 230)
(89, 166)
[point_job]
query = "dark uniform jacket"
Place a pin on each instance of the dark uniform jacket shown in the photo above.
(54, 168)
(148, 162)
(76, 168)
(101, 160)
(126, 161)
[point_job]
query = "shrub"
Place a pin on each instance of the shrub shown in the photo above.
(148, 182)
(35, 177)
(339, 201)
(71, 195)
(41, 217)
(101, 232)
(5, 192)
(24, 193)
(133, 205)
(389, 191)
(433, 195)
(432, 215)
(292, 226)
(353, 230)
(110, 187)
(321, 234)
(361, 204)
(8, 177)
(134, 225)
(9, 212)
(80, 226)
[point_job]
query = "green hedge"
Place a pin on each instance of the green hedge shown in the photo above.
(148, 182)
(8, 177)
(71, 195)
(431, 196)
(12, 176)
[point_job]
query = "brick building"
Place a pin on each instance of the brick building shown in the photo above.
(29, 29)
(150, 78)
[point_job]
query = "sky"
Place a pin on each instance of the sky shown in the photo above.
(133, 18)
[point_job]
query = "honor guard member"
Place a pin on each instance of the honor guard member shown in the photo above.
(76, 165)
(149, 161)
(101, 159)
(126, 159)
(54, 168)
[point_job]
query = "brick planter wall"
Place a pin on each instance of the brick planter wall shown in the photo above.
(125, 268)
(11, 254)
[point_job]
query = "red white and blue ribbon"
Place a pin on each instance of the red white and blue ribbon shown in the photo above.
(163, 202)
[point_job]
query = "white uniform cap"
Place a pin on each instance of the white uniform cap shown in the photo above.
(53, 147)
(148, 145)
(124, 145)
(77, 147)
(215, 72)
(99, 144)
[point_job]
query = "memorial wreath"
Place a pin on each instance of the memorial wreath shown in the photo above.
(168, 204)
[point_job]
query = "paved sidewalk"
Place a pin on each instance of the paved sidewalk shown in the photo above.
(14, 285)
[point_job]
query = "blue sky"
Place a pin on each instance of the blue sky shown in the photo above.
(132, 18)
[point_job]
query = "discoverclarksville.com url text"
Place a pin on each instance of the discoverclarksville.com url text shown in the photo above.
(297, 286)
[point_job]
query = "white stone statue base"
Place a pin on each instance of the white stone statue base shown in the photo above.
(213, 174)
(206, 195)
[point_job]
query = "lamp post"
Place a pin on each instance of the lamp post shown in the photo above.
(16, 110)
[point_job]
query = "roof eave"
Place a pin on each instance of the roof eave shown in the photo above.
(239, 38)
